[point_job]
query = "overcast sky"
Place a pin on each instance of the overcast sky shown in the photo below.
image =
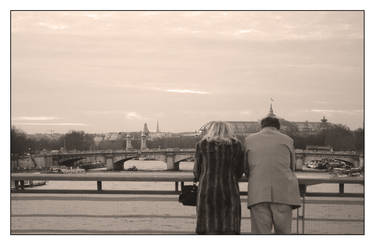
(114, 71)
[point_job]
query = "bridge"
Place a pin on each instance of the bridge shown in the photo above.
(115, 160)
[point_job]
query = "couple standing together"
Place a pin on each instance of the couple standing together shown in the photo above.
(267, 159)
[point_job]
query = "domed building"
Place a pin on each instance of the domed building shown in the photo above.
(243, 128)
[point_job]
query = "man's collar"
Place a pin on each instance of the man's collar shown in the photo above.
(269, 129)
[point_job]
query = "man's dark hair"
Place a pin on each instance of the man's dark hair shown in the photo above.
(270, 122)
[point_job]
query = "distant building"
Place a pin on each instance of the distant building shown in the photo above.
(98, 138)
(145, 130)
(39, 136)
(318, 148)
(190, 134)
(238, 127)
(157, 127)
(112, 136)
(158, 133)
(247, 127)
(308, 127)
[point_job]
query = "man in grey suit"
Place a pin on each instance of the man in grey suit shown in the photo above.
(273, 187)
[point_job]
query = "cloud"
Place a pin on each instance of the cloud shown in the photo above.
(337, 111)
(245, 113)
(186, 91)
(42, 118)
(90, 15)
(52, 26)
(149, 87)
(150, 13)
(133, 116)
(51, 124)
(107, 112)
(97, 16)
(320, 102)
(244, 31)
(240, 32)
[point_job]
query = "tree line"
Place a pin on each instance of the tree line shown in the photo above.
(339, 137)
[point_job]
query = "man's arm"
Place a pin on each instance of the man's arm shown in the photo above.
(292, 157)
(197, 163)
(239, 160)
(246, 162)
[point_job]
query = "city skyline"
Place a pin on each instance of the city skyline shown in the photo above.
(114, 71)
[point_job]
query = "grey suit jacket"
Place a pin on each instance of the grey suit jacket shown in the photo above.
(270, 162)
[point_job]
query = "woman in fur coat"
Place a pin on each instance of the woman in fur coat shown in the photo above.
(218, 166)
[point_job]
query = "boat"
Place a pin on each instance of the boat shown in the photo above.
(64, 171)
(133, 168)
(30, 183)
(96, 166)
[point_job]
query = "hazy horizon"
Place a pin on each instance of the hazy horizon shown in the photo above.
(112, 71)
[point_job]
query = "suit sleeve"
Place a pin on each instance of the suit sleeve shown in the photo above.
(246, 162)
(246, 159)
(239, 161)
(197, 163)
(292, 156)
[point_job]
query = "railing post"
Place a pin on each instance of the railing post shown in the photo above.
(297, 226)
(99, 185)
(16, 184)
(302, 190)
(300, 160)
(22, 182)
(341, 188)
(303, 214)
(176, 186)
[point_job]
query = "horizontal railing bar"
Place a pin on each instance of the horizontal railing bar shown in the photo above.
(76, 191)
(169, 198)
(106, 216)
(173, 176)
(99, 232)
(333, 194)
(96, 198)
(160, 192)
(140, 216)
(335, 202)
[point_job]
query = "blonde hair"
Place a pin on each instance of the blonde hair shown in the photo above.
(219, 131)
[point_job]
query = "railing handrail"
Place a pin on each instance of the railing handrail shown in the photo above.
(173, 176)
(186, 150)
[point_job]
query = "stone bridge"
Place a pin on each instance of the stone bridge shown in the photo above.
(115, 160)
(304, 156)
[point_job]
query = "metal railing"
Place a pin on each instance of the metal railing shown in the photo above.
(179, 178)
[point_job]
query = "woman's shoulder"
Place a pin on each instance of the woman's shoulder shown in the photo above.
(204, 143)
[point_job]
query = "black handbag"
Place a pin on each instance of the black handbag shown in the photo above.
(188, 196)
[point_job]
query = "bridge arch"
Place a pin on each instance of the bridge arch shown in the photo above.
(177, 163)
(70, 162)
(119, 165)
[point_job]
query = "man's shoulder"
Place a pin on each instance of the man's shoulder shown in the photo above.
(252, 136)
(285, 135)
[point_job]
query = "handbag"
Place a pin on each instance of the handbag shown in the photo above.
(188, 196)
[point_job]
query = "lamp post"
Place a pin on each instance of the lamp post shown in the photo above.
(65, 142)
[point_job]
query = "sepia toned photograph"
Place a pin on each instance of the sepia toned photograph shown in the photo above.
(187, 122)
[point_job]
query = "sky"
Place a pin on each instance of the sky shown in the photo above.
(114, 71)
